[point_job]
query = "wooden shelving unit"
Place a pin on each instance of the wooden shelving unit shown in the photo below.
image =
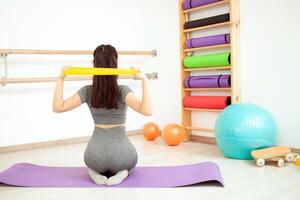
(207, 69)
(207, 89)
(221, 46)
(233, 69)
(204, 110)
(206, 27)
(205, 6)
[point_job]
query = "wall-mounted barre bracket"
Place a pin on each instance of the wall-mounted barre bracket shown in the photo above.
(153, 75)
(154, 53)
(4, 57)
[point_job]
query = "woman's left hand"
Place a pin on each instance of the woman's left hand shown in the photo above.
(62, 76)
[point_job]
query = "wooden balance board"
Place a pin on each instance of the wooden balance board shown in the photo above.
(271, 152)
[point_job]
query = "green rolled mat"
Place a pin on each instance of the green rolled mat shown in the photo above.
(210, 60)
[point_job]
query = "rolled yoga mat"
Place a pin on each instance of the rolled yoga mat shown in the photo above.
(208, 41)
(209, 81)
(30, 175)
(187, 4)
(206, 102)
(207, 21)
(209, 60)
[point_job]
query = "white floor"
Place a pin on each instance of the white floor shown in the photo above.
(243, 180)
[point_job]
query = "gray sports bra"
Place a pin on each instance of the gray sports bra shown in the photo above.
(102, 115)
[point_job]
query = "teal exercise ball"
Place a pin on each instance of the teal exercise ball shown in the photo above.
(244, 127)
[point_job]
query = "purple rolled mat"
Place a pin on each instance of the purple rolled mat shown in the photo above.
(209, 81)
(208, 41)
(187, 4)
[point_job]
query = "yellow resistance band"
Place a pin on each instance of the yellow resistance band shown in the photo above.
(98, 71)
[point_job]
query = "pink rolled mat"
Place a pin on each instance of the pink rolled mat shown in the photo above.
(30, 175)
(208, 81)
(208, 41)
(206, 102)
(187, 4)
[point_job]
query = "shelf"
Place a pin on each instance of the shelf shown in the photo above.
(206, 27)
(204, 110)
(205, 6)
(207, 89)
(207, 69)
(200, 129)
(203, 139)
(207, 47)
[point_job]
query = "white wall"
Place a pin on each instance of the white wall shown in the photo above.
(270, 62)
(26, 112)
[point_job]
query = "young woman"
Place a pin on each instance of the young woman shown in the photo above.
(109, 155)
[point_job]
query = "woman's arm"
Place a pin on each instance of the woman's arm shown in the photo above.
(59, 105)
(143, 105)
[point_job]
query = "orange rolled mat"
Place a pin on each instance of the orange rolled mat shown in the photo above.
(206, 102)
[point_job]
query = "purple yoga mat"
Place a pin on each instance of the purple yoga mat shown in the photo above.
(208, 41)
(209, 81)
(187, 4)
(30, 175)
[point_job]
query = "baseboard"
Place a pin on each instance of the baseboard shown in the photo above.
(295, 150)
(211, 140)
(85, 139)
(52, 143)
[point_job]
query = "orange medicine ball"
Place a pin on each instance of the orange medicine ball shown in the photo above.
(173, 134)
(151, 131)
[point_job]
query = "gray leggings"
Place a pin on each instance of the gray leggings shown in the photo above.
(109, 151)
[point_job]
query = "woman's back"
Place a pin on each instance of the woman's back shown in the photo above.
(103, 115)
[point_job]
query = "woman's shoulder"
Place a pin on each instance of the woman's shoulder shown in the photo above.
(88, 87)
(124, 90)
(84, 92)
(123, 87)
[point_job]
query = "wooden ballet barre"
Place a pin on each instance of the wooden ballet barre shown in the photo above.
(153, 76)
(70, 52)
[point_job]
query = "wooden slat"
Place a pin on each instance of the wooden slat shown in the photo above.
(199, 129)
(204, 110)
(207, 69)
(42, 79)
(207, 89)
(203, 139)
(205, 6)
(70, 52)
(235, 50)
(220, 46)
(206, 27)
(185, 114)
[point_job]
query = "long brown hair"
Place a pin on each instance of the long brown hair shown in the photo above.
(105, 89)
